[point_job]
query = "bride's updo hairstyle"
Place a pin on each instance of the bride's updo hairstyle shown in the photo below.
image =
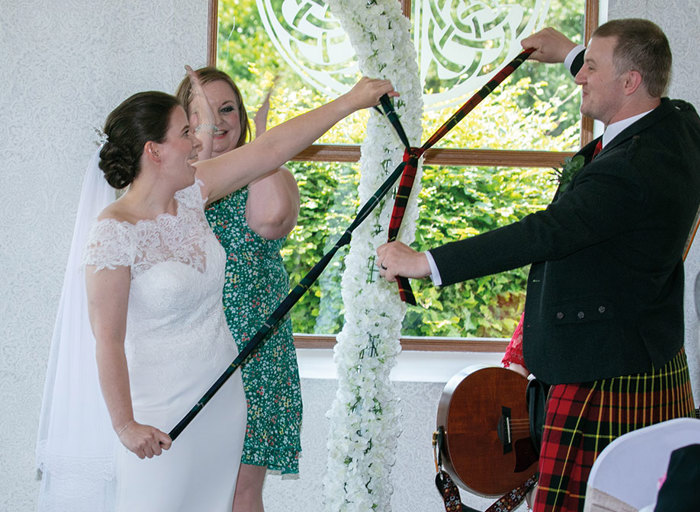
(143, 117)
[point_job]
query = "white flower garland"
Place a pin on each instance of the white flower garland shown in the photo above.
(364, 417)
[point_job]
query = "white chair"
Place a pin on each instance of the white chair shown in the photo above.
(625, 476)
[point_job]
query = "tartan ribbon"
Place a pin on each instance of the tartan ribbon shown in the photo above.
(400, 202)
(393, 118)
(306, 282)
(411, 155)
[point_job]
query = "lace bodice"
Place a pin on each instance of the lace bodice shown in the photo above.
(168, 237)
(175, 318)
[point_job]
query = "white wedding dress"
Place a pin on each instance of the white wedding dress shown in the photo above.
(177, 344)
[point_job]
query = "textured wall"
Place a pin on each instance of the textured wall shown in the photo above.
(679, 20)
(63, 66)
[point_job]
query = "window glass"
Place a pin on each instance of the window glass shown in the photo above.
(455, 202)
(459, 53)
(301, 47)
(329, 202)
(298, 46)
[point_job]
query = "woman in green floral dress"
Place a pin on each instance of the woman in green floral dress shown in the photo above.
(251, 225)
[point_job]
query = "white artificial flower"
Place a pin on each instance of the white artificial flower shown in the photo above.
(365, 415)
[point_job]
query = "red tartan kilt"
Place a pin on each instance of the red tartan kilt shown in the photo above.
(582, 419)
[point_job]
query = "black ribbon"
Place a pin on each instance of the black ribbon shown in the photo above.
(291, 299)
(300, 289)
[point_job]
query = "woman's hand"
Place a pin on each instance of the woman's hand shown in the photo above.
(199, 108)
(367, 91)
(201, 116)
(518, 368)
(144, 440)
(260, 118)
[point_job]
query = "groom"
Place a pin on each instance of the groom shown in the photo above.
(604, 311)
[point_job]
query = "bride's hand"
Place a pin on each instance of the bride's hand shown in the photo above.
(144, 440)
(367, 91)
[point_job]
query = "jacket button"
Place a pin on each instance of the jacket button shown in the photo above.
(560, 315)
(601, 309)
(580, 314)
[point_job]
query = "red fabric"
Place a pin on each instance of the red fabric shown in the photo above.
(514, 350)
(598, 147)
(402, 194)
(582, 419)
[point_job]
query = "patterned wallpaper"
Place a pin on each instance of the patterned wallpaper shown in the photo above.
(63, 67)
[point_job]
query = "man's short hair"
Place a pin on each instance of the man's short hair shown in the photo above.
(641, 46)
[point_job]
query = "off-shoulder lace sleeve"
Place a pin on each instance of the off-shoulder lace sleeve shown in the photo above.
(109, 245)
(191, 197)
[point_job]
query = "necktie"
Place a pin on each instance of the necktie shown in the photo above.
(598, 147)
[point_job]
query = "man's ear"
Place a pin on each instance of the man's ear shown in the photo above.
(151, 151)
(632, 81)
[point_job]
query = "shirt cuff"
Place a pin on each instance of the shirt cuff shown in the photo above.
(434, 272)
(569, 59)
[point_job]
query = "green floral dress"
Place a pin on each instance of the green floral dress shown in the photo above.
(256, 282)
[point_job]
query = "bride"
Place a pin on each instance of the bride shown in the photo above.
(154, 276)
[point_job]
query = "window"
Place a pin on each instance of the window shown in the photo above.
(493, 168)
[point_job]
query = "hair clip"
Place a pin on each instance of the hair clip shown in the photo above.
(102, 137)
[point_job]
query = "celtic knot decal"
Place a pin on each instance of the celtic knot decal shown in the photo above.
(312, 42)
(460, 43)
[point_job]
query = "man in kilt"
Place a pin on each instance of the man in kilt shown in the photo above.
(603, 320)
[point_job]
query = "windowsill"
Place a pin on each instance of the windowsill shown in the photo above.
(414, 343)
(412, 366)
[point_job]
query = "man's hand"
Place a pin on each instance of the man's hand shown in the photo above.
(550, 45)
(398, 259)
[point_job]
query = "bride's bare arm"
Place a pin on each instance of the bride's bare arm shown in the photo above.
(108, 295)
(235, 169)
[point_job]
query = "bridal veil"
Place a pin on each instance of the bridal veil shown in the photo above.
(76, 442)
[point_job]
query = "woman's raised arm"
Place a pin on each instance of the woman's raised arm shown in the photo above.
(235, 169)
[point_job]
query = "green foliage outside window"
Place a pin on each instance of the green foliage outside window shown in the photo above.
(537, 109)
